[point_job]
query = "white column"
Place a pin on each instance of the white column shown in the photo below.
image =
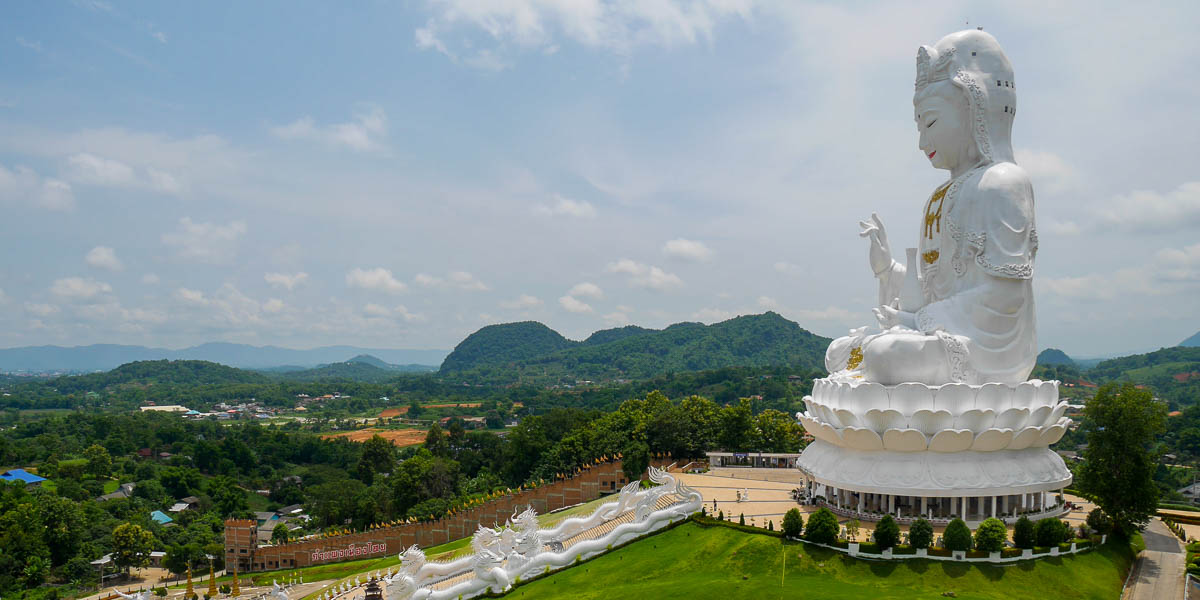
(891, 503)
(993, 507)
(923, 506)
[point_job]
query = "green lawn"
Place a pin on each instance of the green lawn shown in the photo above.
(695, 562)
(111, 486)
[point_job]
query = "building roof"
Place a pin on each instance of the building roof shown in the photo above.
(190, 500)
(21, 475)
(178, 507)
(160, 517)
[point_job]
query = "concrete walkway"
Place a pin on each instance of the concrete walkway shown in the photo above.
(1160, 574)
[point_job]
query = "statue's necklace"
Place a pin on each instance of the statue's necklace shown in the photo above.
(933, 219)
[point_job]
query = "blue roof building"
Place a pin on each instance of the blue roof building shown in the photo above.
(160, 517)
(21, 475)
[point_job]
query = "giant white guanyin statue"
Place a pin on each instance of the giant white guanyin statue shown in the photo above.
(961, 308)
(931, 413)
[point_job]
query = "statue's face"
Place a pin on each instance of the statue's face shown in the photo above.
(945, 136)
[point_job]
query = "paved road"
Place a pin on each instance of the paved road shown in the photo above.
(1161, 574)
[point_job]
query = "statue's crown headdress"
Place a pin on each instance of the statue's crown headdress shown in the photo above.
(930, 70)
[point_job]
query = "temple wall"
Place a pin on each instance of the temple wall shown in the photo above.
(585, 486)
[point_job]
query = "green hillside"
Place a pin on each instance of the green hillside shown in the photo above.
(1192, 342)
(504, 344)
(532, 352)
(156, 372)
(1054, 356)
(693, 562)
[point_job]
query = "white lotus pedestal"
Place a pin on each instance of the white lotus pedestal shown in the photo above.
(937, 452)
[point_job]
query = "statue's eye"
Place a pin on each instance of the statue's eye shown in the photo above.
(931, 124)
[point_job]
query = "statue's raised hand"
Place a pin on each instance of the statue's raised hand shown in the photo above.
(881, 252)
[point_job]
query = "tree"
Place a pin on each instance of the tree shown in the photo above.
(99, 462)
(741, 518)
(957, 536)
(635, 459)
(228, 499)
(1051, 532)
(776, 431)
(280, 534)
(436, 441)
(737, 426)
(793, 523)
(415, 409)
(887, 532)
(181, 556)
(1023, 536)
(920, 533)
(1099, 522)
(131, 546)
(822, 527)
(852, 530)
(991, 535)
(1120, 459)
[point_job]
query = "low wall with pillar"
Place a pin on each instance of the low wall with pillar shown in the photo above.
(588, 484)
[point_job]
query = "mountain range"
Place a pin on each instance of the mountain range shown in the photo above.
(1192, 341)
(102, 357)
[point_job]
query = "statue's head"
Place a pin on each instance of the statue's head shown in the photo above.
(965, 100)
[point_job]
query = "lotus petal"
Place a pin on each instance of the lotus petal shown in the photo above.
(1057, 414)
(904, 440)
(831, 434)
(1051, 435)
(991, 440)
(1024, 395)
(868, 396)
(828, 416)
(931, 421)
(976, 419)
(952, 440)
(820, 389)
(954, 397)
(861, 438)
(1039, 415)
(810, 405)
(1013, 418)
(908, 398)
(995, 396)
(1025, 438)
(847, 418)
(882, 420)
(1047, 393)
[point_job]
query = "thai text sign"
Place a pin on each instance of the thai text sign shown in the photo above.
(350, 551)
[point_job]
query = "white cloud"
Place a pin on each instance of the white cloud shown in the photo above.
(836, 314)
(1178, 265)
(90, 169)
(150, 279)
(619, 27)
(191, 296)
(41, 310)
(79, 287)
(647, 276)
(574, 305)
(285, 280)
(687, 250)
(1047, 170)
(205, 242)
(363, 133)
(767, 303)
(586, 290)
(566, 207)
(103, 257)
(228, 307)
(787, 267)
(382, 312)
(32, 45)
(522, 302)
(1063, 228)
(23, 183)
(274, 305)
(1152, 211)
(616, 319)
(455, 279)
(378, 279)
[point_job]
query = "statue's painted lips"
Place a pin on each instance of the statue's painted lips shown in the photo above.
(932, 153)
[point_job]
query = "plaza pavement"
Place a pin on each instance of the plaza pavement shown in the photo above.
(1160, 570)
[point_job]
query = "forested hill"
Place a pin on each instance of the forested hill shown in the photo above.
(1054, 356)
(1192, 342)
(531, 352)
(162, 372)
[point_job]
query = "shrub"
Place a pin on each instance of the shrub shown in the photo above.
(920, 534)
(161, 592)
(741, 518)
(1023, 536)
(822, 527)
(887, 533)
(721, 515)
(770, 525)
(957, 535)
(1099, 522)
(904, 550)
(793, 523)
(870, 548)
(1050, 532)
(225, 589)
(991, 535)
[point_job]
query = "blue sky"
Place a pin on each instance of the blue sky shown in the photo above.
(400, 174)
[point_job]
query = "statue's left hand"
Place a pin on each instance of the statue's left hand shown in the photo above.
(891, 316)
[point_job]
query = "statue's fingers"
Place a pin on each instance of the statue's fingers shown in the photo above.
(875, 219)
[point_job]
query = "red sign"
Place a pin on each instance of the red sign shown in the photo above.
(350, 551)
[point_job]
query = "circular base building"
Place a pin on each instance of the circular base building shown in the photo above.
(938, 452)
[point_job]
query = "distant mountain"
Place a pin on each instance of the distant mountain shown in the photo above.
(102, 357)
(351, 370)
(531, 351)
(367, 359)
(1054, 356)
(1191, 342)
(1141, 368)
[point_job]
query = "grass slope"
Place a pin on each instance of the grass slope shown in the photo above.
(695, 562)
